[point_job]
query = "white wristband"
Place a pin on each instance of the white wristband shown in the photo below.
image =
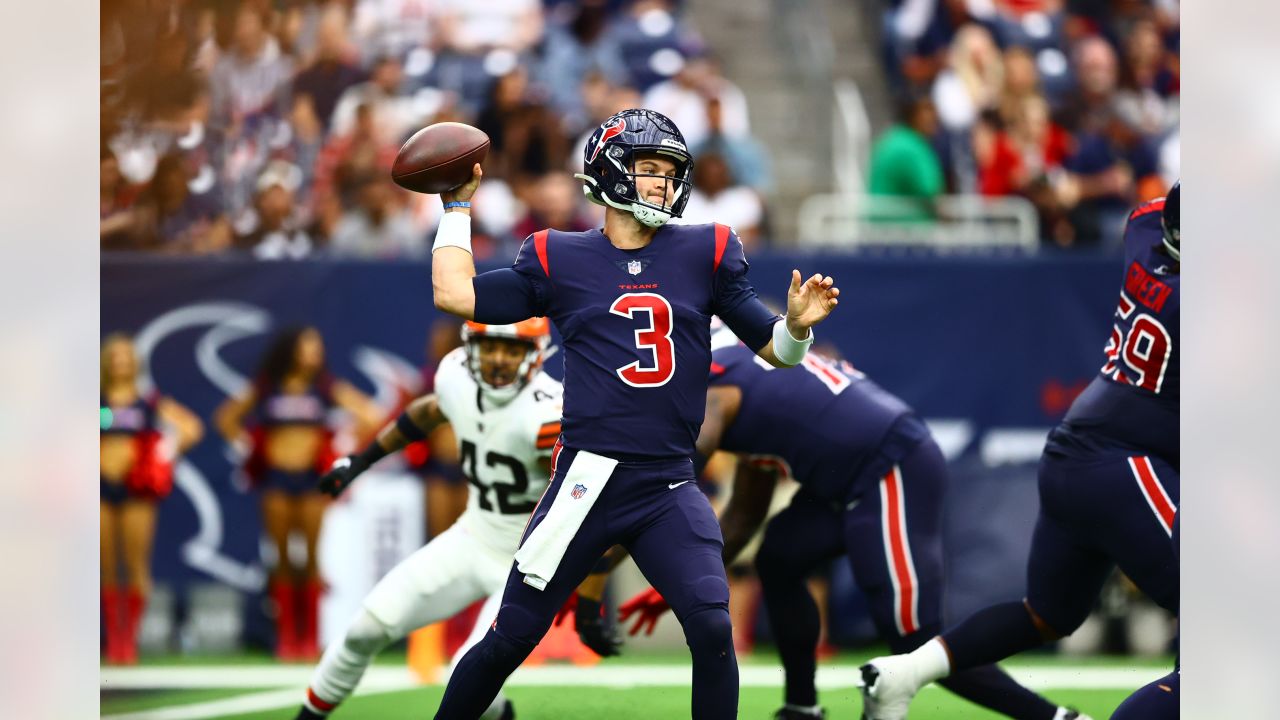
(454, 231)
(785, 347)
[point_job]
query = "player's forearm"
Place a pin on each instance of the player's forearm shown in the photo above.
(737, 527)
(414, 424)
(794, 341)
(593, 587)
(452, 265)
(451, 271)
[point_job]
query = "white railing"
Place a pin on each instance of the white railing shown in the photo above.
(850, 138)
(851, 220)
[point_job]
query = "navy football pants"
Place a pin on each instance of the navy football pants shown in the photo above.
(1095, 513)
(892, 536)
(1157, 700)
(674, 537)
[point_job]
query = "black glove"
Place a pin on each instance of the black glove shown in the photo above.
(589, 621)
(343, 472)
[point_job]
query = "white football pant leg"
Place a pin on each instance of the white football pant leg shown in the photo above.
(344, 662)
(434, 583)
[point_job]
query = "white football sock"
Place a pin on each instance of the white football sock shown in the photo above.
(931, 661)
(344, 662)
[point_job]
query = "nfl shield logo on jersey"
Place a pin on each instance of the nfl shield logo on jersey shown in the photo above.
(578, 491)
(634, 267)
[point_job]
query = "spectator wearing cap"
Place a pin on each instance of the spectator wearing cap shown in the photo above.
(378, 227)
(273, 229)
(717, 197)
(334, 69)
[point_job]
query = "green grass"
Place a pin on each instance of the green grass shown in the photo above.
(550, 703)
(607, 703)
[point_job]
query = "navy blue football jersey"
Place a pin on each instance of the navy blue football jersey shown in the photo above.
(635, 326)
(825, 421)
(1133, 401)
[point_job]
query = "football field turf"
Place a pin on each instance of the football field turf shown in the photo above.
(641, 687)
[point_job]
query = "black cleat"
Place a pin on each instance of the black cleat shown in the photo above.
(508, 711)
(306, 713)
(790, 714)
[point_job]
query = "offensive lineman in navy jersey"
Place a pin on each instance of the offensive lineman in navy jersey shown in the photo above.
(1108, 490)
(633, 303)
(872, 482)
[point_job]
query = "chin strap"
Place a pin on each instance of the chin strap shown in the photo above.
(646, 215)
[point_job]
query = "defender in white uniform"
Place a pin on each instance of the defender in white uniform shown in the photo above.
(505, 413)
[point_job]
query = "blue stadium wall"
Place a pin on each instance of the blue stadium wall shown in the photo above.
(989, 349)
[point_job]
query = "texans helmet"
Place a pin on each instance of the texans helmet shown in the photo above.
(1169, 222)
(608, 164)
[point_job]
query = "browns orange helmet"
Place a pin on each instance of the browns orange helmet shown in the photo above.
(500, 382)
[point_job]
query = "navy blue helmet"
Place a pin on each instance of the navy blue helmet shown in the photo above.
(1169, 221)
(608, 164)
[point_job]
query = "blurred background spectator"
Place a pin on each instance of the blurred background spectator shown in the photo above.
(1072, 106)
(274, 228)
(378, 226)
(904, 163)
(718, 197)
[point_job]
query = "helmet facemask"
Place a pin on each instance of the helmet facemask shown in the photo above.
(1170, 222)
(492, 362)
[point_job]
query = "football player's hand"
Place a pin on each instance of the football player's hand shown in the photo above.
(567, 609)
(648, 606)
(589, 621)
(340, 475)
(809, 302)
(463, 192)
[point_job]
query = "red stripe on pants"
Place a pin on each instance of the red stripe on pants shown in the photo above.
(898, 551)
(1153, 490)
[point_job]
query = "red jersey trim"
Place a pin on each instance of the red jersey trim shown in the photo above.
(1147, 208)
(540, 245)
(722, 241)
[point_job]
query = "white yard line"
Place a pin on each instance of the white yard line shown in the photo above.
(252, 702)
(608, 675)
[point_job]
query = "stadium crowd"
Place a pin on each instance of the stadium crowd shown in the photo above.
(1072, 104)
(269, 128)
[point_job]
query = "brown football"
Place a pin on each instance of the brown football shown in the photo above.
(439, 157)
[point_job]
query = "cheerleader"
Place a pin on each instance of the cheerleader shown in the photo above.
(288, 446)
(140, 435)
